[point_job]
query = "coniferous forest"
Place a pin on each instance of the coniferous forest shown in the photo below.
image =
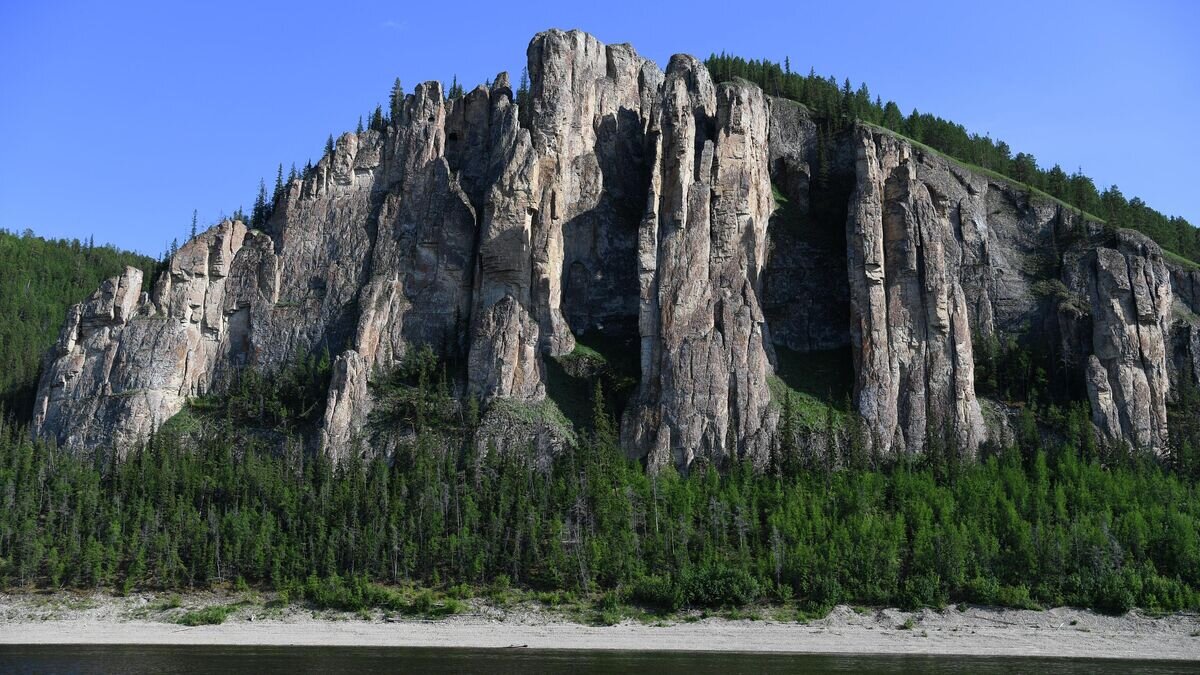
(227, 494)
(231, 492)
(39, 280)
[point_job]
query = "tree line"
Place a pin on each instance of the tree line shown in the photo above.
(212, 499)
(841, 104)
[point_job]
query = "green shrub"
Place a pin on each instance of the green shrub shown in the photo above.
(1016, 596)
(209, 616)
(351, 595)
(925, 590)
(1113, 595)
(423, 603)
(716, 585)
(983, 590)
(658, 592)
(824, 590)
(172, 601)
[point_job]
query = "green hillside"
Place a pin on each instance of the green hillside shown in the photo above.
(39, 280)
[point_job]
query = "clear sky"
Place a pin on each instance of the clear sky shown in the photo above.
(117, 119)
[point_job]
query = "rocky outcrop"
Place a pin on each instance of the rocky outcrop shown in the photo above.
(126, 361)
(805, 295)
(909, 315)
(1185, 323)
(722, 229)
(419, 272)
(590, 107)
(1128, 291)
(702, 249)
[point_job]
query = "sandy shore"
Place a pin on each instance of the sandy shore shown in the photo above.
(61, 619)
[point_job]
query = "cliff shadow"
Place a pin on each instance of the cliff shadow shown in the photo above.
(571, 379)
(824, 375)
(599, 274)
(806, 288)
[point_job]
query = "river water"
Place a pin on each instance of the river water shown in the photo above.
(296, 660)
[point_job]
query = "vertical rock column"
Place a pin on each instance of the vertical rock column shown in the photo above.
(1185, 326)
(589, 107)
(418, 288)
(1128, 382)
(503, 360)
(914, 369)
(703, 392)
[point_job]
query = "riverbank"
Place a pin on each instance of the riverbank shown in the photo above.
(64, 618)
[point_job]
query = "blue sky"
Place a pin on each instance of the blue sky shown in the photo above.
(118, 119)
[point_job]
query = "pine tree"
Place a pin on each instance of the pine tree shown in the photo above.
(278, 193)
(260, 212)
(602, 424)
(823, 161)
(377, 121)
(396, 101)
(329, 145)
(359, 129)
(523, 90)
(847, 102)
(456, 90)
(193, 232)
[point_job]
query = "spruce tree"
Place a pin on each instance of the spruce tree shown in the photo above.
(396, 101)
(524, 107)
(259, 213)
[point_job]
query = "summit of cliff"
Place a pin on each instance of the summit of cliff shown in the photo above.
(722, 234)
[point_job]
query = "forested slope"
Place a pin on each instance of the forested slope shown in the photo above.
(226, 495)
(442, 486)
(39, 280)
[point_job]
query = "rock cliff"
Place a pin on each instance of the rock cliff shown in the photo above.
(701, 252)
(724, 231)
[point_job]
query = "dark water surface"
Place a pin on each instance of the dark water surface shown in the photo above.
(296, 660)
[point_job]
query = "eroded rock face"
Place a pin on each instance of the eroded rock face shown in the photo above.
(591, 104)
(702, 249)
(627, 202)
(420, 269)
(805, 294)
(1128, 288)
(122, 366)
(910, 319)
(1185, 324)
(504, 360)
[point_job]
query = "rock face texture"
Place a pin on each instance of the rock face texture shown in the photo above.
(938, 256)
(701, 252)
(1185, 323)
(1128, 288)
(805, 294)
(721, 230)
(590, 108)
(909, 319)
(125, 364)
